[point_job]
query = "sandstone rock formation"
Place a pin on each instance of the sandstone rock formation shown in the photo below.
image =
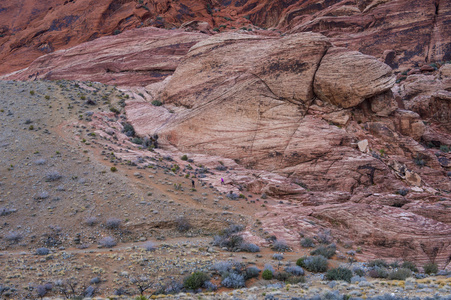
(134, 58)
(265, 112)
(411, 31)
(339, 78)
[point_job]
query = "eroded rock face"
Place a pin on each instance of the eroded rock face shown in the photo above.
(264, 113)
(416, 30)
(284, 67)
(346, 78)
(381, 231)
(135, 58)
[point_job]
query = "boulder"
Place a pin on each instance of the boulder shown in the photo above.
(284, 67)
(346, 78)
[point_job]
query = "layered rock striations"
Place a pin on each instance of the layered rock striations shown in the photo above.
(135, 58)
(411, 31)
(300, 107)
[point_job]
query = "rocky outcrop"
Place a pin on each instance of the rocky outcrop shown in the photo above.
(406, 31)
(339, 78)
(266, 113)
(134, 58)
(380, 231)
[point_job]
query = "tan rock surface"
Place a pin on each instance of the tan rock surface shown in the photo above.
(134, 58)
(347, 78)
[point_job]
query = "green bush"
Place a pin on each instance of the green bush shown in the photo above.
(377, 263)
(409, 265)
(267, 275)
(400, 274)
(282, 276)
(316, 263)
(157, 103)
(430, 268)
(195, 280)
(300, 261)
(378, 273)
(307, 243)
(137, 140)
(184, 157)
(339, 274)
(327, 252)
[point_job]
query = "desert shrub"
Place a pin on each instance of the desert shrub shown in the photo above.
(91, 221)
(280, 246)
(128, 129)
(268, 267)
(231, 242)
(182, 224)
(339, 274)
(137, 141)
(41, 291)
(419, 161)
(157, 103)
(327, 252)
(40, 161)
(53, 176)
(221, 168)
(223, 267)
(233, 280)
(195, 280)
(249, 247)
(378, 273)
(13, 237)
(42, 251)
(184, 157)
(307, 243)
(377, 263)
(267, 274)
(232, 196)
(400, 274)
(295, 270)
(277, 256)
(445, 148)
(402, 191)
(4, 211)
(173, 287)
(150, 246)
(316, 263)
(108, 242)
(430, 268)
(42, 195)
(359, 272)
(113, 223)
(209, 286)
(113, 169)
(89, 292)
(251, 272)
(234, 228)
(282, 276)
(95, 280)
(324, 237)
(409, 265)
(119, 292)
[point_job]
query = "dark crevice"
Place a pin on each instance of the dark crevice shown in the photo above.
(429, 53)
(314, 74)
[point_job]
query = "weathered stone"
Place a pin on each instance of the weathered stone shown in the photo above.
(346, 78)
(413, 178)
(363, 146)
(147, 55)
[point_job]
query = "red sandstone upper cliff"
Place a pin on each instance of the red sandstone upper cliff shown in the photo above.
(417, 30)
